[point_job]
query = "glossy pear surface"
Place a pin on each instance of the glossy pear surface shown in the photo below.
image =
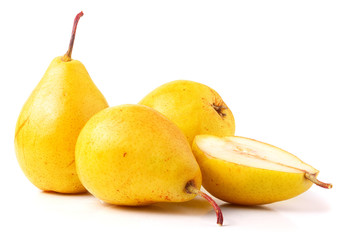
(133, 155)
(245, 171)
(194, 107)
(49, 124)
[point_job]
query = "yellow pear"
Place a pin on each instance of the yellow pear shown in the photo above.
(50, 121)
(133, 155)
(194, 107)
(245, 171)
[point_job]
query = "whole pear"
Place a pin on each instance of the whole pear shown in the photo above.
(133, 155)
(194, 107)
(50, 122)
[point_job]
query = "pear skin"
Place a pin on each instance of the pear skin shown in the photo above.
(251, 172)
(194, 107)
(51, 120)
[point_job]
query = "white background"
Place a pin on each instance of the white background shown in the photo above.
(273, 62)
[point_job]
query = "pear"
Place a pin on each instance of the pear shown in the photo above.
(50, 122)
(133, 155)
(194, 107)
(248, 172)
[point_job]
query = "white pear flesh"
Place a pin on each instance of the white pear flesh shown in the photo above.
(253, 153)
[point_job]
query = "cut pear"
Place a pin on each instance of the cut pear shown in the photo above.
(245, 171)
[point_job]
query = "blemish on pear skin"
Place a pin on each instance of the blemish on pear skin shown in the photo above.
(21, 126)
(124, 154)
(71, 163)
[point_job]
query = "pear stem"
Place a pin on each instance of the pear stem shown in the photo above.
(190, 188)
(312, 178)
(68, 56)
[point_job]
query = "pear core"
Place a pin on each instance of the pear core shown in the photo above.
(244, 151)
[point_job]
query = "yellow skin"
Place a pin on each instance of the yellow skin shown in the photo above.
(50, 122)
(133, 155)
(240, 184)
(195, 108)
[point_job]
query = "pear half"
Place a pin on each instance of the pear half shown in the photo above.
(248, 172)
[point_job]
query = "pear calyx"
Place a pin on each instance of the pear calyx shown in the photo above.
(312, 178)
(68, 56)
(191, 189)
(220, 109)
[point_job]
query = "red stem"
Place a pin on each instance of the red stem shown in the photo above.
(68, 56)
(191, 189)
(214, 205)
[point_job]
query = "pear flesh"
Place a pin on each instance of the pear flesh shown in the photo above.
(245, 171)
(251, 153)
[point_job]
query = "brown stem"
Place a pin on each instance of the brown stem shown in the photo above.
(312, 178)
(68, 56)
(190, 188)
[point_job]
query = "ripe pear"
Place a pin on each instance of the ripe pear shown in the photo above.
(133, 155)
(194, 107)
(248, 172)
(50, 122)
